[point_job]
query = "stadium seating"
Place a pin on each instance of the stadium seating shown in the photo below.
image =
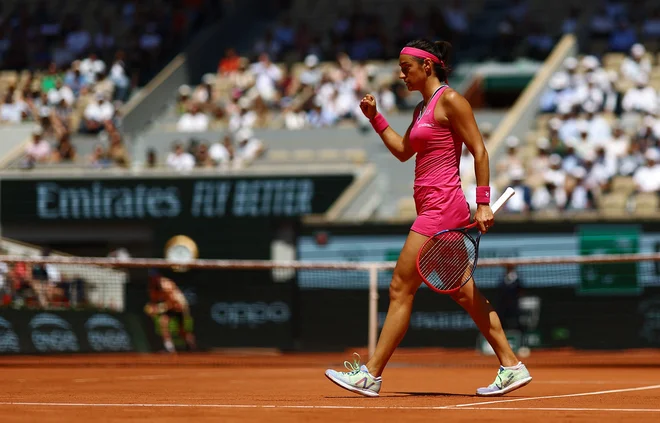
(618, 191)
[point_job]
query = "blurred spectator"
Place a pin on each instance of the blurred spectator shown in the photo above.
(104, 40)
(38, 151)
(119, 77)
(570, 24)
(75, 80)
(641, 98)
(99, 158)
(48, 80)
(104, 86)
(267, 75)
(457, 18)
(616, 148)
(222, 153)
(78, 40)
(556, 93)
(117, 151)
(583, 146)
(579, 197)
(647, 177)
(249, 148)
(510, 291)
(601, 24)
(12, 111)
(522, 201)
(96, 113)
(486, 131)
(598, 128)
(245, 118)
(5, 284)
(202, 157)
(597, 175)
(549, 196)
(120, 253)
(46, 278)
(632, 160)
(538, 42)
(623, 36)
(180, 160)
(152, 160)
(65, 151)
(512, 159)
(229, 63)
(651, 27)
(203, 93)
(589, 95)
(193, 121)
(91, 66)
(636, 65)
(555, 174)
(540, 164)
(268, 45)
(60, 92)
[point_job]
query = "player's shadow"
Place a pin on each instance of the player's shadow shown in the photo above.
(434, 394)
(414, 394)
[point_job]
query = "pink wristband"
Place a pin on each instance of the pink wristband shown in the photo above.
(483, 195)
(379, 123)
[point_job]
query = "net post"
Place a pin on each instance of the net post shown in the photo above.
(373, 308)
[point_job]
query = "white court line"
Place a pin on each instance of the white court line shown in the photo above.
(624, 410)
(583, 394)
(324, 407)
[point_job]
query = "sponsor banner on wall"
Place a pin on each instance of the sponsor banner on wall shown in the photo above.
(557, 317)
(50, 332)
(167, 199)
(232, 309)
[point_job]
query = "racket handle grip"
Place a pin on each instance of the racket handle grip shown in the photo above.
(508, 193)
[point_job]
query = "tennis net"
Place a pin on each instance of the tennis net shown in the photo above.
(593, 302)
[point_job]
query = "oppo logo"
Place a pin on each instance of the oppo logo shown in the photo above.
(250, 314)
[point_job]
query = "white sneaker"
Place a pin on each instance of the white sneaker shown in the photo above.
(507, 380)
(356, 379)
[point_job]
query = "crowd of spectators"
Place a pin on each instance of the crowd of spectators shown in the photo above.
(597, 124)
(70, 79)
(38, 286)
(222, 154)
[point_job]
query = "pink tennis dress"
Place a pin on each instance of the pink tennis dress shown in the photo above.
(439, 198)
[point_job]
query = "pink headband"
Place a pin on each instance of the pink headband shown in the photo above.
(416, 52)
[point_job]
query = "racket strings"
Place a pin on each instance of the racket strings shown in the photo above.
(447, 260)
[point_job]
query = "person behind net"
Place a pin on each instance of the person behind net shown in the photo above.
(441, 123)
(166, 302)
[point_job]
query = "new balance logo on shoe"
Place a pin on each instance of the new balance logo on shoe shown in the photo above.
(364, 381)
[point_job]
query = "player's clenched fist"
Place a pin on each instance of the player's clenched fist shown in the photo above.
(368, 106)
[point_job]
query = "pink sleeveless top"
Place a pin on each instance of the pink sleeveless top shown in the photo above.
(439, 198)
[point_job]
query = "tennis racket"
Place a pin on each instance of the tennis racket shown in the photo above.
(447, 260)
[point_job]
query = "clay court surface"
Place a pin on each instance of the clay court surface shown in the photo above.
(422, 384)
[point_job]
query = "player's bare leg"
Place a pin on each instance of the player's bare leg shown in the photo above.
(365, 379)
(482, 312)
(512, 374)
(164, 323)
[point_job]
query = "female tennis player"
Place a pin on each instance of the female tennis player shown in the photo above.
(441, 123)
